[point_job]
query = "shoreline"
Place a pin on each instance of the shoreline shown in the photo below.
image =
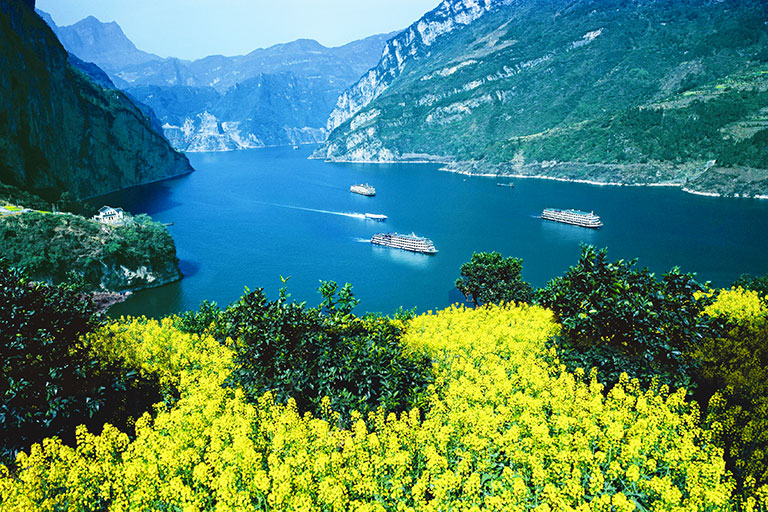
(158, 180)
(105, 300)
(268, 146)
(555, 178)
(715, 194)
(681, 186)
(379, 162)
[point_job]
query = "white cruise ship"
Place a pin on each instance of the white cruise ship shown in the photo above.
(365, 190)
(575, 217)
(406, 242)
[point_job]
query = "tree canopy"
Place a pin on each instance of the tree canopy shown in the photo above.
(489, 278)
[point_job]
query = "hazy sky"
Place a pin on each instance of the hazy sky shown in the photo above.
(192, 29)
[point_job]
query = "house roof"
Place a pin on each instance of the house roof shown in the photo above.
(105, 209)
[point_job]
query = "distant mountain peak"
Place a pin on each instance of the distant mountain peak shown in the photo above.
(103, 43)
(47, 19)
(270, 96)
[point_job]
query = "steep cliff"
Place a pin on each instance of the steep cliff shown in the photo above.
(603, 90)
(59, 131)
(410, 44)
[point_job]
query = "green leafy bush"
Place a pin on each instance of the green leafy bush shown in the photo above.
(50, 382)
(308, 353)
(622, 319)
(489, 278)
(17, 197)
(758, 284)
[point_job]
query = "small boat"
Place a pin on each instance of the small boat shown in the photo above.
(376, 216)
(295, 147)
(364, 190)
(511, 185)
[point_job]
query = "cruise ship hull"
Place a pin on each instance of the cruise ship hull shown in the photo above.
(573, 217)
(410, 243)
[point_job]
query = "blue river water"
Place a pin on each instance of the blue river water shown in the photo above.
(246, 218)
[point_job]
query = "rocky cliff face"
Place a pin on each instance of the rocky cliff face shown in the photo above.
(59, 131)
(120, 278)
(412, 43)
(605, 90)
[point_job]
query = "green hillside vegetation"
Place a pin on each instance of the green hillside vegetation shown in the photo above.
(649, 92)
(277, 405)
(50, 381)
(58, 248)
(14, 196)
(713, 137)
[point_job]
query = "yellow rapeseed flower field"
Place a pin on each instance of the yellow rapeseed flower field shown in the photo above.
(503, 427)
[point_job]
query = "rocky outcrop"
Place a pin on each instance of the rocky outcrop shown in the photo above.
(60, 131)
(205, 132)
(408, 45)
(119, 278)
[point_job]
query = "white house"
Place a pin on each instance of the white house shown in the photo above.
(109, 215)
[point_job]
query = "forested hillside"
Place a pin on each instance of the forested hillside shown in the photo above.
(649, 92)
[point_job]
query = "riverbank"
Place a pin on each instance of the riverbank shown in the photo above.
(554, 178)
(105, 300)
(736, 183)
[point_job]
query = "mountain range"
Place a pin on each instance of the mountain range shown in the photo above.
(281, 95)
(648, 91)
(60, 131)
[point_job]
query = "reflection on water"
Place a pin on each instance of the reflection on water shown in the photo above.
(156, 302)
(401, 257)
(569, 232)
(155, 197)
(189, 268)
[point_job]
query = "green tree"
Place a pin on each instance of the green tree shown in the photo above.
(619, 318)
(490, 278)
